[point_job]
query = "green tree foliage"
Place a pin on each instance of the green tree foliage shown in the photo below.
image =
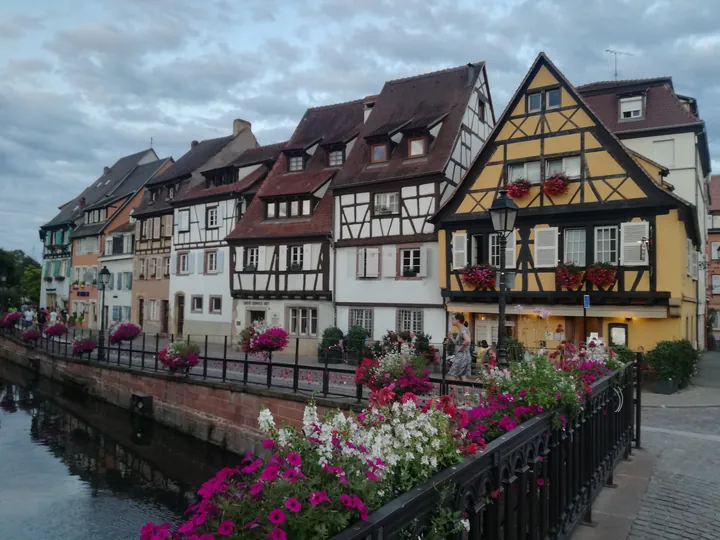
(13, 267)
(30, 283)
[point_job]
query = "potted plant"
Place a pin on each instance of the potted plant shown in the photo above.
(517, 189)
(82, 284)
(82, 345)
(31, 335)
(410, 273)
(10, 319)
(568, 276)
(355, 344)
(59, 278)
(330, 348)
(295, 267)
(424, 349)
(246, 336)
(250, 268)
(601, 275)
(557, 184)
(272, 339)
(56, 330)
(479, 276)
(123, 331)
(75, 284)
(179, 357)
(674, 363)
(141, 276)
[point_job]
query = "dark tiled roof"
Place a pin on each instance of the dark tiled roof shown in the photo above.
(715, 193)
(408, 104)
(97, 190)
(191, 160)
(124, 228)
(88, 230)
(132, 183)
(331, 124)
(252, 156)
(244, 185)
(662, 106)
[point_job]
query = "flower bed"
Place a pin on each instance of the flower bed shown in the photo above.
(30, 335)
(601, 275)
(479, 276)
(82, 345)
(517, 189)
(123, 331)
(56, 330)
(568, 276)
(396, 371)
(10, 319)
(557, 184)
(179, 356)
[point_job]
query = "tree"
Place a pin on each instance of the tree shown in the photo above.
(30, 283)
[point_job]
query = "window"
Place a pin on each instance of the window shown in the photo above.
(128, 242)
(270, 210)
(362, 318)
(570, 166)
(184, 221)
(153, 310)
(716, 287)
(211, 262)
(546, 247)
(144, 230)
(252, 257)
(216, 304)
(575, 247)
(153, 267)
(409, 320)
(303, 321)
(167, 225)
(211, 219)
(183, 263)
(119, 281)
(143, 268)
(126, 313)
(171, 192)
(306, 207)
(606, 250)
(534, 102)
(715, 222)
(166, 266)
(282, 209)
(631, 108)
(409, 262)
(296, 258)
(368, 262)
(378, 153)
(481, 109)
(529, 170)
(386, 204)
(552, 99)
(715, 251)
(153, 195)
(416, 147)
(494, 250)
(295, 208)
(296, 163)
(127, 278)
(196, 304)
(336, 158)
(116, 313)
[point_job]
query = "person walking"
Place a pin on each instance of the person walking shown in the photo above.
(29, 316)
(53, 317)
(41, 319)
(462, 363)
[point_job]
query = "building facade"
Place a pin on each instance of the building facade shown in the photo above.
(57, 261)
(616, 213)
(117, 257)
(419, 137)
(713, 258)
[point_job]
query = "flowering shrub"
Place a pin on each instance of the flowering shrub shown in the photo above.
(179, 355)
(586, 365)
(517, 189)
(400, 373)
(479, 276)
(246, 336)
(568, 276)
(31, 334)
(82, 345)
(272, 339)
(601, 275)
(10, 319)
(123, 331)
(557, 184)
(56, 330)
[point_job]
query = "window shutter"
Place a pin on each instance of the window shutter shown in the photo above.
(373, 262)
(262, 254)
(282, 262)
(173, 264)
(307, 257)
(201, 216)
(475, 243)
(220, 261)
(510, 256)
(119, 281)
(389, 269)
(546, 247)
(360, 264)
(632, 252)
(695, 260)
(68, 268)
(191, 262)
(688, 250)
(57, 269)
(220, 213)
(459, 250)
(423, 261)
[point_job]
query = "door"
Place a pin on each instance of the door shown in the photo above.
(165, 306)
(180, 313)
(256, 318)
(141, 311)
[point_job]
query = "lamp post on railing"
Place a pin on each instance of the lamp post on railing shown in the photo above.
(103, 281)
(503, 213)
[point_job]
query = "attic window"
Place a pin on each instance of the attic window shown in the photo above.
(552, 99)
(379, 153)
(336, 158)
(296, 163)
(153, 195)
(171, 192)
(417, 146)
(631, 108)
(534, 102)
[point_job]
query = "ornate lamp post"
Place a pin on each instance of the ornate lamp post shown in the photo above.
(503, 213)
(104, 280)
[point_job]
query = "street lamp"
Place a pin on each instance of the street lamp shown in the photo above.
(104, 280)
(503, 213)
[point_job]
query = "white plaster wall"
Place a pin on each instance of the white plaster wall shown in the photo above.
(384, 319)
(115, 297)
(61, 288)
(198, 232)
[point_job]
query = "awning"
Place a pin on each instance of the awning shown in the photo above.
(616, 312)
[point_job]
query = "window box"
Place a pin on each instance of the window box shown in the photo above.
(250, 268)
(601, 275)
(295, 267)
(517, 189)
(141, 276)
(59, 278)
(555, 185)
(482, 277)
(568, 276)
(48, 278)
(410, 273)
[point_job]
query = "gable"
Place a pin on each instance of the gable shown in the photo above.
(551, 131)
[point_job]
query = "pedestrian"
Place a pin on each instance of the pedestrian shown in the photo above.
(41, 318)
(482, 354)
(29, 316)
(53, 317)
(462, 363)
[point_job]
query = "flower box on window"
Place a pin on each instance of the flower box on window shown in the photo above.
(568, 276)
(383, 211)
(141, 276)
(48, 278)
(59, 278)
(481, 277)
(250, 268)
(601, 275)
(294, 267)
(410, 273)
(557, 184)
(517, 189)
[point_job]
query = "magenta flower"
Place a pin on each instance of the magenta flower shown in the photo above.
(187, 527)
(317, 497)
(291, 475)
(541, 482)
(253, 524)
(371, 476)
(294, 459)
(270, 473)
(293, 504)
(226, 528)
(276, 516)
(268, 444)
(522, 393)
(249, 469)
(347, 501)
(200, 518)
(277, 534)
(256, 488)
(207, 537)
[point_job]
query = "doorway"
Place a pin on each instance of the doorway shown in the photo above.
(255, 318)
(165, 307)
(141, 311)
(180, 313)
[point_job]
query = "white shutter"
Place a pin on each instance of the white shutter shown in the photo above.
(694, 264)
(423, 261)
(173, 265)
(459, 250)
(220, 261)
(372, 269)
(510, 256)
(633, 252)
(283, 258)
(360, 262)
(200, 213)
(546, 247)
(474, 240)
(307, 257)
(262, 254)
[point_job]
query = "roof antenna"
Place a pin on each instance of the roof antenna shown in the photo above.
(151, 139)
(616, 54)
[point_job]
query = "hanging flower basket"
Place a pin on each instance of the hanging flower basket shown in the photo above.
(272, 339)
(31, 334)
(179, 356)
(10, 319)
(601, 275)
(517, 189)
(568, 276)
(123, 332)
(479, 276)
(82, 345)
(56, 330)
(555, 185)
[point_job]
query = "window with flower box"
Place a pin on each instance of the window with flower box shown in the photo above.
(295, 258)
(530, 171)
(410, 262)
(569, 166)
(252, 258)
(574, 248)
(386, 204)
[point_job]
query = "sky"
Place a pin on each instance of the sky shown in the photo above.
(85, 82)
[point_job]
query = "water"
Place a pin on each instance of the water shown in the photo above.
(85, 470)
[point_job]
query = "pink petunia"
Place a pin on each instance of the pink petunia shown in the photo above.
(270, 473)
(226, 528)
(291, 475)
(253, 524)
(347, 501)
(256, 488)
(268, 444)
(293, 504)
(276, 516)
(293, 459)
(371, 476)
(540, 482)
(317, 497)
(277, 534)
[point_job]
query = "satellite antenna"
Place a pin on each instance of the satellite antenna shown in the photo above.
(616, 54)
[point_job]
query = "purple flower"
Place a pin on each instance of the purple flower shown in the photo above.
(294, 459)
(256, 488)
(317, 497)
(293, 504)
(226, 528)
(277, 534)
(268, 444)
(276, 516)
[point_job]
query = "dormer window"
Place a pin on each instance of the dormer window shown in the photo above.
(171, 192)
(336, 158)
(631, 108)
(153, 195)
(534, 102)
(296, 163)
(417, 146)
(271, 210)
(379, 153)
(300, 207)
(552, 99)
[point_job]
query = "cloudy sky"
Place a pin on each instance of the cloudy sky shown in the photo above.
(84, 82)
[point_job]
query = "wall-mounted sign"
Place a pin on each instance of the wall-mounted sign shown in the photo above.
(255, 303)
(83, 293)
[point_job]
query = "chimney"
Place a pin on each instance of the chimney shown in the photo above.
(106, 171)
(471, 74)
(82, 202)
(193, 144)
(240, 125)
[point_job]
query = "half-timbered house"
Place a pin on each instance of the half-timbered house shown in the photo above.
(204, 216)
(154, 228)
(280, 249)
(594, 219)
(419, 137)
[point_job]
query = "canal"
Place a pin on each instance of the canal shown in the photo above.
(74, 468)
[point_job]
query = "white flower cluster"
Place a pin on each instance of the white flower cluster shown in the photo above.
(391, 362)
(266, 420)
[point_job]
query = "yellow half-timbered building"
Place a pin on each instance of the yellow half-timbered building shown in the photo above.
(616, 215)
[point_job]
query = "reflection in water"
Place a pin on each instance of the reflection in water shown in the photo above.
(87, 471)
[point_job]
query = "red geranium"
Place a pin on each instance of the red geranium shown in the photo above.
(517, 189)
(557, 184)
(601, 275)
(479, 276)
(568, 276)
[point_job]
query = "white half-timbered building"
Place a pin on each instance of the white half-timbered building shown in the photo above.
(281, 256)
(419, 137)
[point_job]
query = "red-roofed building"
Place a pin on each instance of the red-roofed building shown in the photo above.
(713, 256)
